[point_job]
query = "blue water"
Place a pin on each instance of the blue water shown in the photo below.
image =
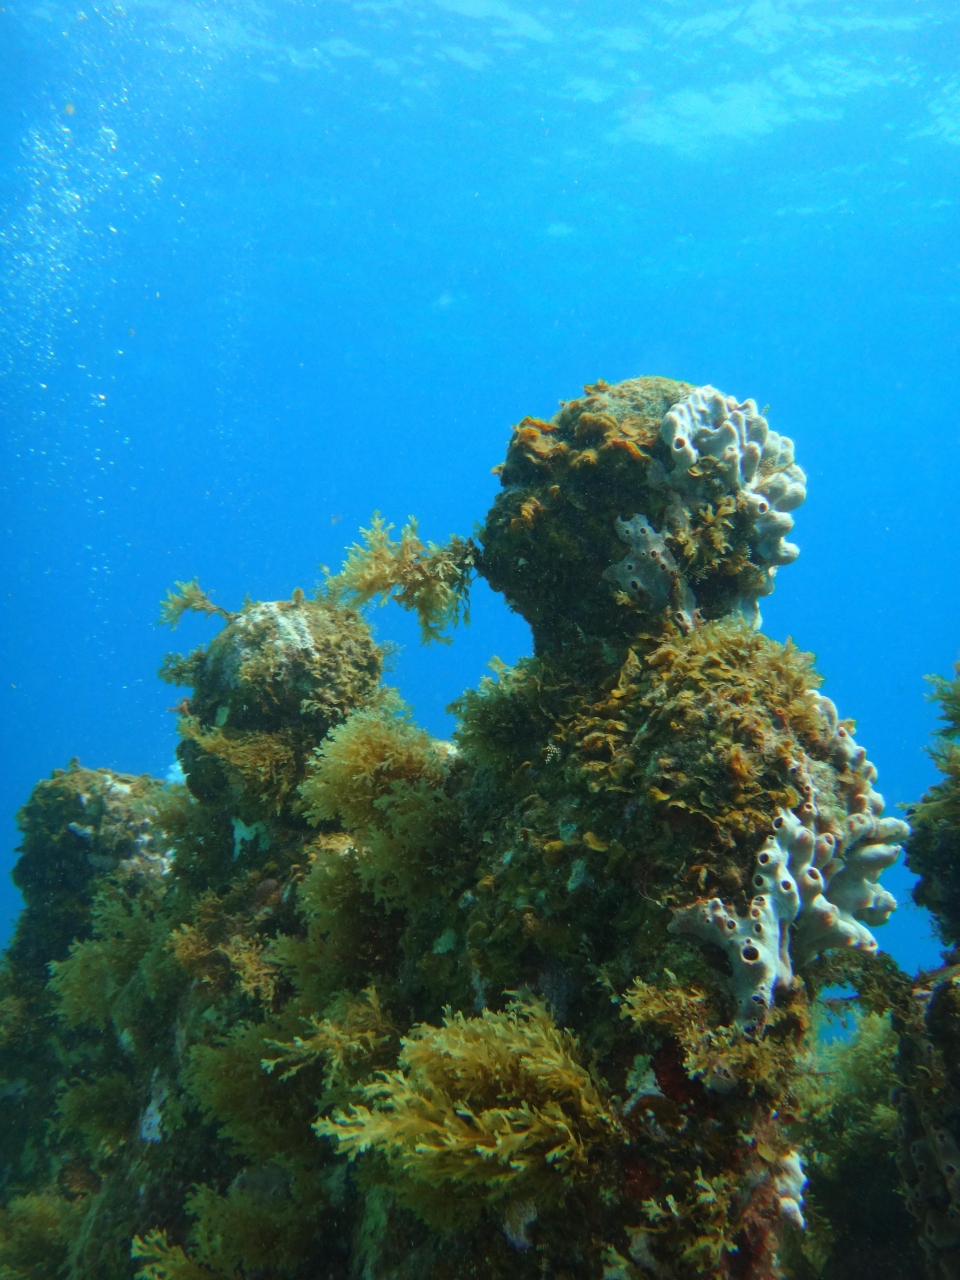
(268, 266)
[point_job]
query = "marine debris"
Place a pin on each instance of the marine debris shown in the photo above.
(353, 1001)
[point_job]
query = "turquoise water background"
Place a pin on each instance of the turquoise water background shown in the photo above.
(268, 266)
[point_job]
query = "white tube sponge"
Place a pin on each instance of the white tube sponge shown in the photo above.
(717, 448)
(866, 843)
(756, 945)
(819, 924)
(649, 570)
(788, 1184)
(648, 573)
(824, 886)
(752, 459)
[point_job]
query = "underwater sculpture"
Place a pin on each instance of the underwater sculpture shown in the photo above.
(529, 1003)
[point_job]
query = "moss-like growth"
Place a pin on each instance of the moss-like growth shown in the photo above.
(88, 983)
(361, 761)
(36, 1233)
(387, 781)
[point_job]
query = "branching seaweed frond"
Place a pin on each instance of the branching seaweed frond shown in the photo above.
(947, 693)
(482, 1103)
(265, 763)
(343, 1043)
(721, 1056)
(161, 1260)
(432, 579)
(188, 597)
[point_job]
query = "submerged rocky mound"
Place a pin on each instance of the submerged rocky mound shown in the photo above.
(536, 1002)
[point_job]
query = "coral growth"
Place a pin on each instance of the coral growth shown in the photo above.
(357, 1002)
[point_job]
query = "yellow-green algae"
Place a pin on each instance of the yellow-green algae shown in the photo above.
(430, 579)
(365, 1004)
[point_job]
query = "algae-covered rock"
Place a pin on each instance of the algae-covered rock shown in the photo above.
(284, 663)
(392, 1007)
(77, 826)
(848, 1130)
(271, 684)
(78, 823)
(689, 471)
(929, 1128)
